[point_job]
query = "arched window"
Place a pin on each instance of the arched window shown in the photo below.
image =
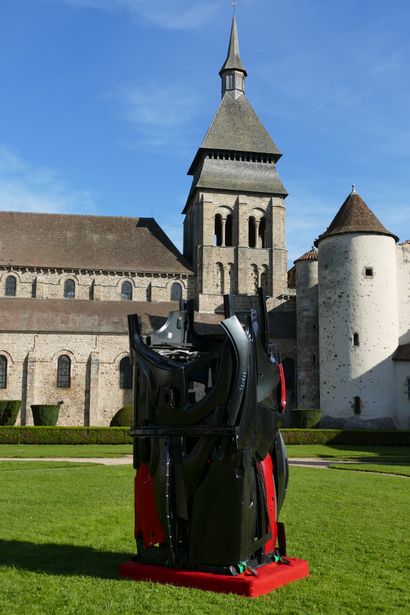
(220, 286)
(229, 230)
(251, 232)
(231, 273)
(264, 279)
(91, 290)
(34, 288)
(64, 372)
(262, 232)
(126, 291)
(218, 230)
(176, 292)
(125, 373)
(254, 278)
(11, 286)
(69, 289)
(3, 372)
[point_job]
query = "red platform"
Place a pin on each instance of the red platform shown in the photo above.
(268, 577)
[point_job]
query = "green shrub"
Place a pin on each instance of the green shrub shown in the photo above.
(302, 418)
(45, 414)
(65, 435)
(9, 410)
(123, 418)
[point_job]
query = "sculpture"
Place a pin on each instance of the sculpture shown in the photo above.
(211, 464)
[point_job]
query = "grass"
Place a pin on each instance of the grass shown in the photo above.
(392, 454)
(372, 467)
(65, 527)
(65, 450)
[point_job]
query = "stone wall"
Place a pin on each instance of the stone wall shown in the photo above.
(94, 395)
(96, 285)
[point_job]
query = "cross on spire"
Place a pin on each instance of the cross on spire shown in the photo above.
(234, 4)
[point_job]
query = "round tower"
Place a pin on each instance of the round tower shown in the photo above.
(307, 331)
(358, 314)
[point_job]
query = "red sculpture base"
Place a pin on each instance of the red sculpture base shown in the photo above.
(268, 577)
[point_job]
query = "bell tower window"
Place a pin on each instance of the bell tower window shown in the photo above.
(251, 232)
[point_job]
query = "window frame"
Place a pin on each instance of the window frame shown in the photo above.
(3, 371)
(69, 294)
(126, 375)
(13, 280)
(126, 296)
(63, 372)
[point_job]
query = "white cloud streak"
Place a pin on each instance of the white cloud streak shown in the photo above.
(159, 114)
(24, 187)
(171, 15)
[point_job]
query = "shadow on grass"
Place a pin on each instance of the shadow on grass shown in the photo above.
(60, 559)
(399, 455)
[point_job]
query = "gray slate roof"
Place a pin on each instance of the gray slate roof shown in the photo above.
(233, 59)
(354, 216)
(239, 176)
(87, 242)
(402, 353)
(237, 128)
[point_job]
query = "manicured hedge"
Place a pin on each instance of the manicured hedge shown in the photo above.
(123, 418)
(9, 409)
(65, 435)
(304, 419)
(120, 435)
(365, 437)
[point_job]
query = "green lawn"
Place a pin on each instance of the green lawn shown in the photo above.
(65, 528)
(372, 467)
(386, 454)
(65, 450)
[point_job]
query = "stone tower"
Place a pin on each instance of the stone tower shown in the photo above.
(358, 314)
(234, 227)
(307, 329)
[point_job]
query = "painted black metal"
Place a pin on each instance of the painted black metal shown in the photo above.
(204, 419)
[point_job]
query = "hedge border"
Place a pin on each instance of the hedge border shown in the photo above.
(120, 435)
(65, 435)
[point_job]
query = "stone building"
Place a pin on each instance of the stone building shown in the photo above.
(353, 322)
(340, 318)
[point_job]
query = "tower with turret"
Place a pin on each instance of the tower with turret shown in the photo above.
(358, 315)
(234, 227)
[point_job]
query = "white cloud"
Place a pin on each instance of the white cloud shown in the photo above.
(24, 187)
(172, 14)
(159, 114)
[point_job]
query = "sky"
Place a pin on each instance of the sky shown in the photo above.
(104, 103)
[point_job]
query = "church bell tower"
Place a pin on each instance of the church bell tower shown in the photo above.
(234, 227)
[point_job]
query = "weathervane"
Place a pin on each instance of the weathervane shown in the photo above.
(234, 4)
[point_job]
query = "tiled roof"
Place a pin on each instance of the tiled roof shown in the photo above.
(354, 216)
(75, 315)
(236, 128)
(311, 255)
(87, 242)
(402, 353)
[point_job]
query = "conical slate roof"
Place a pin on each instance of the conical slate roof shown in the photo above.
(233, 59)
(354, 216)
(311, 255)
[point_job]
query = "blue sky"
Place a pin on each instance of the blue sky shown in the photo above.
(104, 103)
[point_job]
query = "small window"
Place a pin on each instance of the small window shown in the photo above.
(64, 372)
(176, 292)
(125, 373)
(356, 339)
(357, 405)
(11, 286)
(314, 359)
(368, 272)
(3, 372)
(229, 230)
(251, 232)
(218, 230)
(126, 291)
(69, 289)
